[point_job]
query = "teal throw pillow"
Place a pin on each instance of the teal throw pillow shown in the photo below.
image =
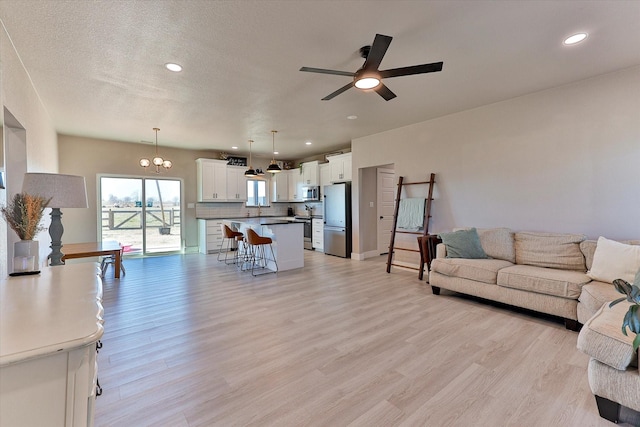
(463, 244)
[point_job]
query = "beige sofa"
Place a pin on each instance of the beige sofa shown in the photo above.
(544, 272)
(547, 272)
(613, 368)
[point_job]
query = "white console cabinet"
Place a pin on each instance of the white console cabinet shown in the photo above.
(50, 324)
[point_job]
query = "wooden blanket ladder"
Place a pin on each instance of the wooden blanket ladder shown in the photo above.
(425, 224)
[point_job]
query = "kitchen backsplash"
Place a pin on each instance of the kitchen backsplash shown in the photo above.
(239, 210)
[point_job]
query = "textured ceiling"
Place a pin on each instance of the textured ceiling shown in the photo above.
(98, 65)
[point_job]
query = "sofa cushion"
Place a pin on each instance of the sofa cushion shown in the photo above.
(551, 250)
(481, 270)
(588, 248)
(602, 338)
(498, 243)
(594, 294)
(548, 281)
(463, 244)
(614, 260)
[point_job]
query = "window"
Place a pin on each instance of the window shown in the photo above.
(257, 193)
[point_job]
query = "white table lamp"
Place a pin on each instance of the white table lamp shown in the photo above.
(65, 191)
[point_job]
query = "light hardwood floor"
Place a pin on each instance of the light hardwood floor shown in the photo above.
(191, 342)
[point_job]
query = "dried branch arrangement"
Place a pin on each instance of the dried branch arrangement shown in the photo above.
(23, 214)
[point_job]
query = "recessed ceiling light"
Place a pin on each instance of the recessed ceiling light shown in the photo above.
(234, 148)
(352, 117)
(275, 152)
(176, 68)
(576, 38)
(308, 142)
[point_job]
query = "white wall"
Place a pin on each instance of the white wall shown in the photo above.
(561, 160)
(20, 98)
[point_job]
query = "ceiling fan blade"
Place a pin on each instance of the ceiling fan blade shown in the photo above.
(323, 71)
(338, 92)
(378, 49)
(385, 92)
(416, 69)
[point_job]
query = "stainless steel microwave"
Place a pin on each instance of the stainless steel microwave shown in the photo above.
(310, 192)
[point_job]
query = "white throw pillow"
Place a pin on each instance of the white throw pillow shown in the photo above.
(614, 260)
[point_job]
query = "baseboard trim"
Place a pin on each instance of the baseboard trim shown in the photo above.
(362, 256)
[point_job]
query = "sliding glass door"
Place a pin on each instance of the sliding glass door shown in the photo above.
(143, 214)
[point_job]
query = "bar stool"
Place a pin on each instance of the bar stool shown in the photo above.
(258, 255)
(228, 237)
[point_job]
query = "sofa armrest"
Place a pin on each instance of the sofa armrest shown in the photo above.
(441, 250)
(602, 338)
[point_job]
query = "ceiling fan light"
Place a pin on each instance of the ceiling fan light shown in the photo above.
(367, 82)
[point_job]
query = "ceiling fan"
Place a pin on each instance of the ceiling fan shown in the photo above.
(369, 77)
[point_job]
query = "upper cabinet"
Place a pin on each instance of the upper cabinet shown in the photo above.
(280, 187)
(295, 185)
(236, 184)
(340, 167)
(310, 173)
(325, 175)
(212, 180)
(218, 182)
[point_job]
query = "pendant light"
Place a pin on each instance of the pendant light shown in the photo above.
(157, 160)
(273, 167)
(250, 172)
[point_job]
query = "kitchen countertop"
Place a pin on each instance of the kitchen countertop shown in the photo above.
(265, 220)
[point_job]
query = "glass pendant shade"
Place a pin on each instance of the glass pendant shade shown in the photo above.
(157, 160)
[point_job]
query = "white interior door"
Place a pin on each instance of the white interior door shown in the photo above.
(387, 189)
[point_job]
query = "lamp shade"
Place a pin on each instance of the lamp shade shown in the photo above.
(65, 191)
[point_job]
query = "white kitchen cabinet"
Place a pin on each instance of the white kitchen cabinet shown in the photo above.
(209, 235)
(212, 180)
(310, 173)
(325, 176)
(295, 185)
(50, 324)
(236, 184)
(340, 167)
(317, 231)
(280, 187)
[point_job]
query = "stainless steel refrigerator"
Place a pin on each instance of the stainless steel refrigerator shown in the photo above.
(337, 219)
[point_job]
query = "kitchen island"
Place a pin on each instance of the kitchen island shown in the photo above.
(287, 236)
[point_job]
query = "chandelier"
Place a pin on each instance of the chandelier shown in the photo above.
(157, 160)
(273, 167)
(250, 172)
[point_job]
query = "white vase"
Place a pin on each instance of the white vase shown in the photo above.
(25, 256)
